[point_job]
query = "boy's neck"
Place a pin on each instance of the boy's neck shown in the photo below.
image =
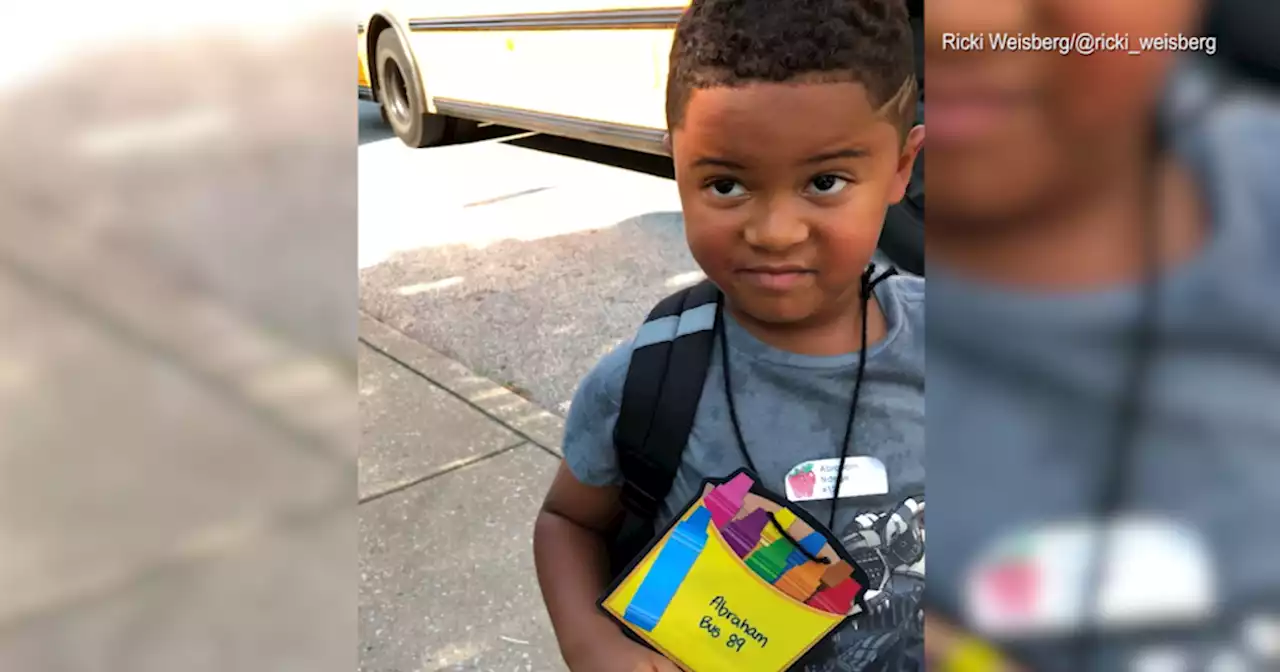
(822, 335)
(1092, 240)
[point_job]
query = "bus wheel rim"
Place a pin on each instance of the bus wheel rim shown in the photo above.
(397, 92)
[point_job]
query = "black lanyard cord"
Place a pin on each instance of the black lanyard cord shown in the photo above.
(867, 285)
(1124, 441)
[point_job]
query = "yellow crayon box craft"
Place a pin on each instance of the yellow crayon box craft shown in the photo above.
(739, 580)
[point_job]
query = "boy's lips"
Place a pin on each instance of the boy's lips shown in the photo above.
(776, 278)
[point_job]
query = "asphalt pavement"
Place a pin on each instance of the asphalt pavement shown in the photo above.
(526, 261)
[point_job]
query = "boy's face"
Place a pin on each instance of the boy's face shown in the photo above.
(1012, 132)
(784, 188)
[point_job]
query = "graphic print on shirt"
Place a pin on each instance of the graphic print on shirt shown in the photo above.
(890, 546)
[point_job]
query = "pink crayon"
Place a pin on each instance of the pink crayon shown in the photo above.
(725, 500)
(743, 534)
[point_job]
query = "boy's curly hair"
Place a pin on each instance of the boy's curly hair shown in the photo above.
(733, 42)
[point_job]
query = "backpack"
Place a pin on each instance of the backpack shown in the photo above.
(670, 358)
(1246, 46)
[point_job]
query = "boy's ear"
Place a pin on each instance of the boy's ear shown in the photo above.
(906, 161)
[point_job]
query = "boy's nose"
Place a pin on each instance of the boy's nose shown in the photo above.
(778, 229)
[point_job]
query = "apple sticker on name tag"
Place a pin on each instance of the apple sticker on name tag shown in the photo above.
(816, 479)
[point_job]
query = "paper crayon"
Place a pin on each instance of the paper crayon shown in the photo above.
(837, 600)
(743, 534)
(784, 517)
(725, 500)
(812, 543)
(668, 571)
(801, 582)
(836, 573)
(769, 562)
(767, 537)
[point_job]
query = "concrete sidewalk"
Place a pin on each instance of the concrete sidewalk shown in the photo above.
(452, 468)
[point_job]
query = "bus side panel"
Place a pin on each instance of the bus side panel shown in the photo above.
(615, 76)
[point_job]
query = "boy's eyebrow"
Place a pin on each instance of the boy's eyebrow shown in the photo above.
(717, 161)
(847, 153)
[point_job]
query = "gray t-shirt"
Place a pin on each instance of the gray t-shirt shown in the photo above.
(794, 408)
(1024, 388)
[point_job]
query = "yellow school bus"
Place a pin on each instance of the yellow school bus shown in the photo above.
(585, 69)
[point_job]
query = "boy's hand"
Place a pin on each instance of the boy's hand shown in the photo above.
(620, 654)
(570, 532)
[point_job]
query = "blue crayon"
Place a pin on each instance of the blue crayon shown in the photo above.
(812, 543)
(668, 571)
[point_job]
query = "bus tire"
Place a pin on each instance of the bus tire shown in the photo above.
(401, 98)
(463, 130)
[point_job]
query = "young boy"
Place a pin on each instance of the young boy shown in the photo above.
(1104, 339)
(791, 132)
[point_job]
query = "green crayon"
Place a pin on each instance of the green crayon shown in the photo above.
(771, 561)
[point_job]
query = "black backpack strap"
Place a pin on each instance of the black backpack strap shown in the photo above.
(669, 361)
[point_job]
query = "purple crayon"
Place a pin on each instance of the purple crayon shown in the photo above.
(742, 535)
(724, 500)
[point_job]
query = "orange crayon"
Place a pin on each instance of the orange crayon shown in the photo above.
(800, 582)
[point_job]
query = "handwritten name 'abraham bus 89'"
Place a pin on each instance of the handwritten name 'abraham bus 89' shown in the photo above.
(1079, 43)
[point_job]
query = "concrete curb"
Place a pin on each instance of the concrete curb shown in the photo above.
(537, 425)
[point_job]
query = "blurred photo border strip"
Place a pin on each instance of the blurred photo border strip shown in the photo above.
(307, 395)
(949, 649)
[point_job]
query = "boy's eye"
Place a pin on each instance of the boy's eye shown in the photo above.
(826, 185)
(725, 188)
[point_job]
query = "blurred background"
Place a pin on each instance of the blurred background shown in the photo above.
(1103, 388)
(177, 331)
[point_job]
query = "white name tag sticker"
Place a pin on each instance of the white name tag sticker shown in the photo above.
(1034, 582)
(816, 479)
